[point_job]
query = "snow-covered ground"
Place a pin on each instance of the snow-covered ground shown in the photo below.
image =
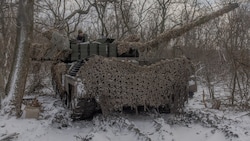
(197, 124)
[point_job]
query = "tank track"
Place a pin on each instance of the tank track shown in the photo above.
(85, 109)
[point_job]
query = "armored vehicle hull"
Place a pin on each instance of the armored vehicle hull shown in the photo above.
(89, 83)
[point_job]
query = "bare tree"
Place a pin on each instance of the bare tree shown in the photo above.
(7, 36)
(64, 15)
(101, 9)
(236, 40)
(163, 5)
(17, 80)
(118, 18)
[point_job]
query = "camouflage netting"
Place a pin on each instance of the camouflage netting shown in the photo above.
(59, 47)
(117, 84)
(57, 71)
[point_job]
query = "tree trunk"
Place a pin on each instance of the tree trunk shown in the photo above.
(2, 44)
(1, 87)
(19, 71)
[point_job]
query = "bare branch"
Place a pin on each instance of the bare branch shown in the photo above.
(79, 11)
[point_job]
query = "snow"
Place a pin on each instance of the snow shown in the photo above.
(40, 130)
(30, 130)
(197, 124)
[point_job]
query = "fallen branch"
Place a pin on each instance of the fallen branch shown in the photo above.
(9, 137)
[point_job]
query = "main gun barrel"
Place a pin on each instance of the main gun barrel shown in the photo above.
(174, 33)
(166, 36)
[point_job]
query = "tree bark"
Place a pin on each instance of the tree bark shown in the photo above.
(19, 71)
(1, 87)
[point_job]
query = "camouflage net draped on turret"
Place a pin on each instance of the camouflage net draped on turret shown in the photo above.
(116, 84)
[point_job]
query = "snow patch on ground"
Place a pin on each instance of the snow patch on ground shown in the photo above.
(196, 124)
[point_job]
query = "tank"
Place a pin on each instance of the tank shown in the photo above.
(105, 76)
